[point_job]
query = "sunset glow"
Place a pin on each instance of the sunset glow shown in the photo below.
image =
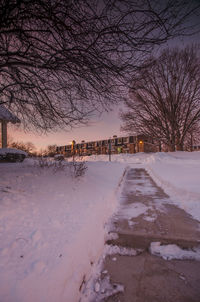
(104, 127)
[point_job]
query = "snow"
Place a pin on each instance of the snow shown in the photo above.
(131, 210)
(6, 115)
(100, 281)
(178, 173)
(48, 228)
(4, 151)
(121, 250)
(105, 290)
(172, 251)
(52, 225)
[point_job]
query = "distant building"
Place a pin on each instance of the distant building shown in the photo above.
(115, 145)
(196, 148)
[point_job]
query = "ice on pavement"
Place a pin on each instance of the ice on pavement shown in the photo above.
(172, 251)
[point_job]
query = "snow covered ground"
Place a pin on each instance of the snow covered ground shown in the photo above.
(52, 228)
(52, 225)
(178, 174)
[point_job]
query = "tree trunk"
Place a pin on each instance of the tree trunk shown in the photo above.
(179, 147)
(172, 148)
(172, 144)
(160, 147)
(191, 142)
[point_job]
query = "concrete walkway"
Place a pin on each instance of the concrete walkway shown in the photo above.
(145, 277)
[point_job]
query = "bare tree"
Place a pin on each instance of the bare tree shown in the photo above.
(27, 147)
(192, 138)
(164, 99)
(51, 150)
(60, 60)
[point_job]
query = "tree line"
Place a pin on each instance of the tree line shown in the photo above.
(31, 149)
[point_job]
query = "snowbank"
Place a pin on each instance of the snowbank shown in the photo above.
(52, 229)
(122, 158)
(6, 115)
(178, 174)
(4, 151)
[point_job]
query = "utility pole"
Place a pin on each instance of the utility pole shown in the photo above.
(109, 149)
(73, 149)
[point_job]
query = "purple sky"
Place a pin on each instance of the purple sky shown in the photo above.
(99, 128)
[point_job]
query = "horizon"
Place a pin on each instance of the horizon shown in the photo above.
(105, 126)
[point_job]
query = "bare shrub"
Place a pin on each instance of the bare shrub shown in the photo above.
(46, 163)
(78, 169)
(43, 162)
(74, 169)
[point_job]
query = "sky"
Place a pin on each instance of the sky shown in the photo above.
(100, 127)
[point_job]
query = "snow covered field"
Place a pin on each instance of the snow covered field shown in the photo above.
(52, 225)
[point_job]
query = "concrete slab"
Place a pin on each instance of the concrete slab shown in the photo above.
(149, 278)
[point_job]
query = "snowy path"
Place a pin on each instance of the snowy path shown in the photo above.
(145, 233)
